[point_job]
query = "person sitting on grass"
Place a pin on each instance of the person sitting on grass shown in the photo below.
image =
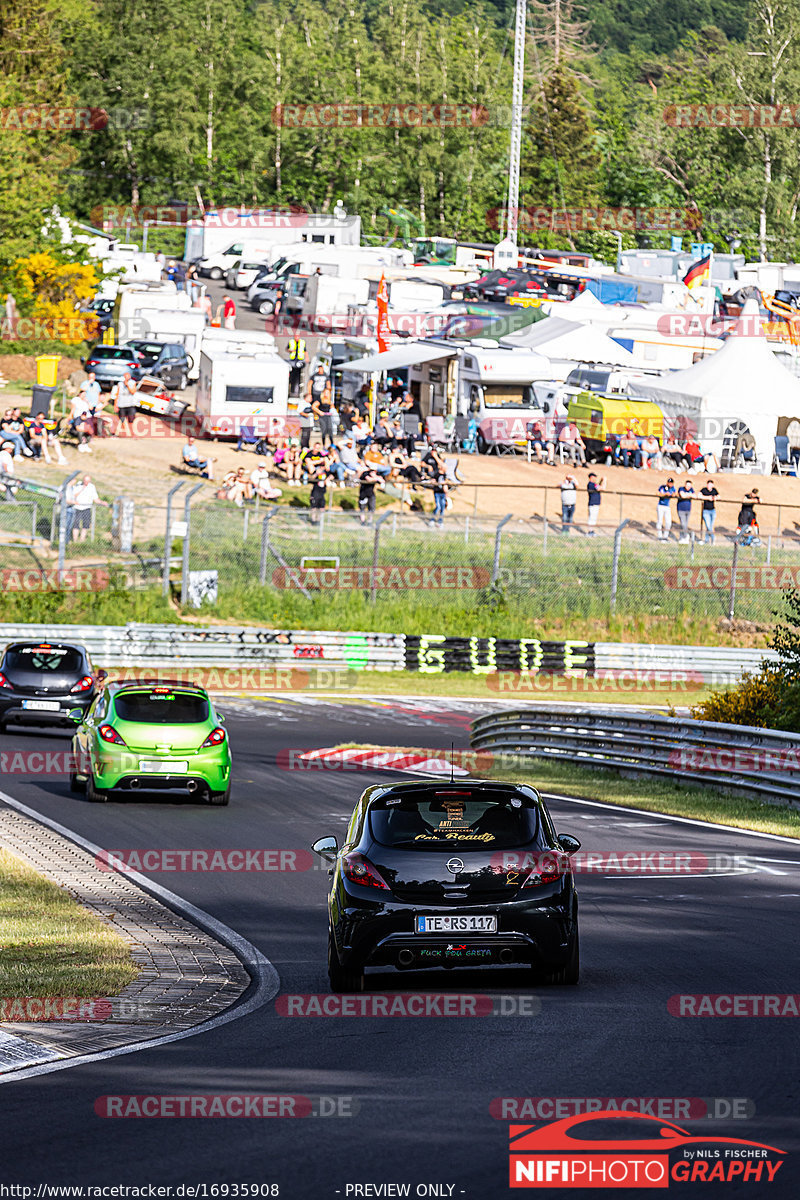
(192, 459)
(262, 484)
(289, 462)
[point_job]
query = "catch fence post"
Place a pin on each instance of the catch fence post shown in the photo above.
(615, 565)
(498, 538)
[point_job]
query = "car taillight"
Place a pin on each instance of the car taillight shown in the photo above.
(546, 868)
(133, 364)
(358, 869)
(83, 684)
(3, 681)
(215, 738)
(109, 734)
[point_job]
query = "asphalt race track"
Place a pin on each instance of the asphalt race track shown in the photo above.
(422, 1086)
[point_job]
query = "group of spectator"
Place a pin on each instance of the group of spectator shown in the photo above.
(345, 452)
(629, 449)
(27, 437)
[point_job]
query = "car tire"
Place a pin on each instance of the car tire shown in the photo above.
(182, 382)
(215, 273)
(482, 444)
(76, 784)
(343, 979)
(220, 798)
(266, 308)
(93, 794)
(569, 974)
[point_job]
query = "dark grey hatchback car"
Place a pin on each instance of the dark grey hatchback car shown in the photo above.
(40, 682)
(460, 874)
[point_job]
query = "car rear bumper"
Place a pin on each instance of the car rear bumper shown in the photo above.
(12, 712)
(527, 932)
(123, 772)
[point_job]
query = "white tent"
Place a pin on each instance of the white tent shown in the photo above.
(567, 343)
(740, 389)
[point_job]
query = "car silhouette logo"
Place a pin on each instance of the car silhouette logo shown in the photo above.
(455, 866)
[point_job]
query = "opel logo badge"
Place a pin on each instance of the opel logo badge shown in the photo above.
(455, 866)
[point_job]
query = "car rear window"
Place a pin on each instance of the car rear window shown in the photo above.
(114, 352)
(166, 707)
(455, 818)
(43, 658)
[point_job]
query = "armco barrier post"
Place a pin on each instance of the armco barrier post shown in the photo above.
(732, 594)
(262, 566)
(168, 539)
(187, 516)
(498, 537)
(615, 565)
(376, 543)
(63, 523)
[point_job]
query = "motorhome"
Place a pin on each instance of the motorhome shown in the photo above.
(243, 385)
(229, 233)
(132, 299)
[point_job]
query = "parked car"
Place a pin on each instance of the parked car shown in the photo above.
(264, 299)
(168, 361)
(451, 875)
(41, 683)
(110, 363)
(163, 737)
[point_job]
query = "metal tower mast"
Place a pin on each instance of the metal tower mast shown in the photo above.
(512, 220)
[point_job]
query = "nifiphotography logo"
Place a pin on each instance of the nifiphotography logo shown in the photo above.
(613, 1149)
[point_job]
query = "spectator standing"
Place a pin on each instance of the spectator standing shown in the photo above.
(180, 277)
(663, 510)
(709, 494)
(440, 490)
(124, 395)
(594, 488)
(569, 498)
(298, 356)
(319, 491)
(82, 498)
(685, 494)
(324, 411)
(80, 417)
(368, 481)
(192, 285)
(227, 313)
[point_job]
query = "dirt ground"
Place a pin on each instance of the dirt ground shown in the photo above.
(143, 467)
(22, 368)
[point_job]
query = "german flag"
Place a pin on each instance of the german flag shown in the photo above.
(699, 272)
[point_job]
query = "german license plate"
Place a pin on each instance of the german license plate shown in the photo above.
(450, 923)
(160, 767)
(41, 705)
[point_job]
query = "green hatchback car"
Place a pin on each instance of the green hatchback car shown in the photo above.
(149, 736)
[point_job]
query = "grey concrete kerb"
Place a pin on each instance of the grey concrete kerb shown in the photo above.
(186, 975)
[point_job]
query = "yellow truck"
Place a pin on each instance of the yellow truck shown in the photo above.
(600, 417)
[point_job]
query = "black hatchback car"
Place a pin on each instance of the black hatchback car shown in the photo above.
(168, 361)
(451, 875)
(40, 682)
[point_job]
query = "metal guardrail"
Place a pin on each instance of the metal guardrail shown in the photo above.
(722, 664)
(186, 646)
(170, 645)
(761, 762)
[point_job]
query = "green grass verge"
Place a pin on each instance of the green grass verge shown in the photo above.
(648, 794)
(50, 946)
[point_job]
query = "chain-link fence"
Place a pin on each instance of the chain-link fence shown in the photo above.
(523, 567)
(198, 548)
